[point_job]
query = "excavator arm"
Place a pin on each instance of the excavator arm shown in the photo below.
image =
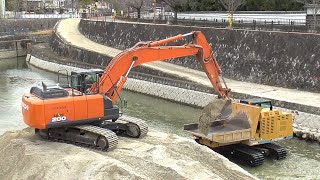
(115, 75)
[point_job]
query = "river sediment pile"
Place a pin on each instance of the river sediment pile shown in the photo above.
(309, 134)
(157, 156)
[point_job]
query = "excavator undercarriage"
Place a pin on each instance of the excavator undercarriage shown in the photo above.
(102, 136)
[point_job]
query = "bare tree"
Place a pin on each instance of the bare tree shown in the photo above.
(137, 5)
(315, 4)
(231, 6)
(176, 6)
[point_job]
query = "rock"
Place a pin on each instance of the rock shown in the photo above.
(157, 156)
(304, 136)
(209, 114)
(317, 137)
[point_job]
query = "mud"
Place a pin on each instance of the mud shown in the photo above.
(157, 156)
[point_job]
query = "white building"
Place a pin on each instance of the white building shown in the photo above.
(313, 15)
(312, 9)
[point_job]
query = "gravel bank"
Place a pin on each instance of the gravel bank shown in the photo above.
(156, 156)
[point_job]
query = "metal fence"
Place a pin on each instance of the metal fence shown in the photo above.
(20, 15)
(290, 22)
(284, 18)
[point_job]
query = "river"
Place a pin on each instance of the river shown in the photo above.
(17, 77)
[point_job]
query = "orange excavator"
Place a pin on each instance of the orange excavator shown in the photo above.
(85, 113)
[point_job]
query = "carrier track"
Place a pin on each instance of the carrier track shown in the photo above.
(252, 155)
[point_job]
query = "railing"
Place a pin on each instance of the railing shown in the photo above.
(279, 21)
(19, 15)
(297, 19)
(291, 22)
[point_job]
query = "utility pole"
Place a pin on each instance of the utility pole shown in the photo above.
(154, 10)
(2, 8)
(315, 12)
(72, 2)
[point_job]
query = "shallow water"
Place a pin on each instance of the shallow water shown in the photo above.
(16, 77)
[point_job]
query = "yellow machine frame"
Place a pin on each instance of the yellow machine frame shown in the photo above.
(266, 126)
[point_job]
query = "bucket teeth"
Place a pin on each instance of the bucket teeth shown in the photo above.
(226, 110)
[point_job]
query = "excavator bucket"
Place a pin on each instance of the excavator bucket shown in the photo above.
(217, 117)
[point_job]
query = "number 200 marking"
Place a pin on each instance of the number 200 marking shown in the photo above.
(58, 119)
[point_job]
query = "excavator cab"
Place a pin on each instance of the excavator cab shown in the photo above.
(264, 103)
(83, 80)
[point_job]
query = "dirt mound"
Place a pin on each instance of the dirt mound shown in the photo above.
(23, 155)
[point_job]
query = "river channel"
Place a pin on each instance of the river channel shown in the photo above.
(17, 77)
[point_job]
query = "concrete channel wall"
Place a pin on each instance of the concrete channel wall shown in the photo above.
(14, 35)
(14, 26)
(274, 58)
(13, 46)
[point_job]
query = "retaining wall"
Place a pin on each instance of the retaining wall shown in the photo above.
(289, 60)
(13, 46)
(24, 25)
(8, 42)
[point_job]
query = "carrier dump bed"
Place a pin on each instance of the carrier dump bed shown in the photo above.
(222, 131)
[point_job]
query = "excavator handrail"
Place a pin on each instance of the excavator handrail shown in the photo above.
(115, 74)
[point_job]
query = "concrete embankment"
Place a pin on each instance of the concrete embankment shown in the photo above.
(157, 156)
(15, 34)
(13, 46)
(16, 26)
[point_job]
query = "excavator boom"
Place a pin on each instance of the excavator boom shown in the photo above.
(115, 74)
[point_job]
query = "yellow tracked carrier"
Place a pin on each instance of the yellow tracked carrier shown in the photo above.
(252, 126)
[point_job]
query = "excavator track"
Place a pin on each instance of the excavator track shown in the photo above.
(249, 156)
(111, 137)
(276, 151)
(94, 136)
(84, 135)
(242, 154)
(135, 123)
